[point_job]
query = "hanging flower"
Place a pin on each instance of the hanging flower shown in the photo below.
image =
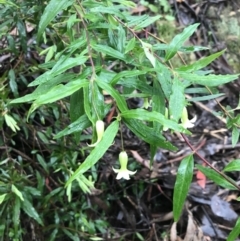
(100, 131)
(186, 123)
(123, 172)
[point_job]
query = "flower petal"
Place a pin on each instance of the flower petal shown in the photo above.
(116, 170)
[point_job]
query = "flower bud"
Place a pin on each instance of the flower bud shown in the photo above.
(100, 132)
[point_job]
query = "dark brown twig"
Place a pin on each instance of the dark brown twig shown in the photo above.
(208, 164)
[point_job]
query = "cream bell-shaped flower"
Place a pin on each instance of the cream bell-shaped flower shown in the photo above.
(186, 123)
(123, 172)
(100, 131)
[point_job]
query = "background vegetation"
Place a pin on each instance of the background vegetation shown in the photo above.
(65, 65)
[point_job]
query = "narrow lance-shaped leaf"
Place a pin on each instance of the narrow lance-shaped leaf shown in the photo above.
(204, 98)
(17, 192)
(158, 105)
(108, 51)
(201, 63)
(232, 166)
(57, 93)
(126, 74)
(177, 100)
(164, 77)
(148, 134)
(235, 136)
(77, 126)
(66, 63)
(2, 197)
(179, 39)
(31, 211)
(51, 10)
(235, 231)
(111, 10)
(76, 109)
(147, 22)
(44, 87)
(16, 213)
(97, 101)
(208, 80)
(182, 184)
(97, 152)
(216, 177)
(145, 115)
(121, 103)
(149, 52)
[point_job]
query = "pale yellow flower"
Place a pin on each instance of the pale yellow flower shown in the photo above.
(123, 172)
(186, 123)
(100, 132)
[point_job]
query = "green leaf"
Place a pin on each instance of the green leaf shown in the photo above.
(235, 136)
(16, 213)
(182, 184)
(51, 10)
(108, 51)
(66, 63)
(149, 53)
(179, 40)
(158, 105)
(76, 105)
(196, 90)
(148, 134)
(13, 83)
(111, 10)
(45, 82)
(21, 27)
(121, 103)
(164, 77)
(76, 109)
(158, 101)
(126, 74)
(31, 211)
(97, 152)
(133, 20)
(87, 103)
(208, 80)
(201, 63)
(97, 102)
(206, 97)
(235, 231)
(232, 166)
(146, 22)
(17, 192)
(44, 88)
(121, 40)
(217, 178)
(11, 123)
(130, 45)
(177, 100)
(42, 163)
(145, 115)
(58, 92)
(2, 197)
(135, 83)
(76, 44)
